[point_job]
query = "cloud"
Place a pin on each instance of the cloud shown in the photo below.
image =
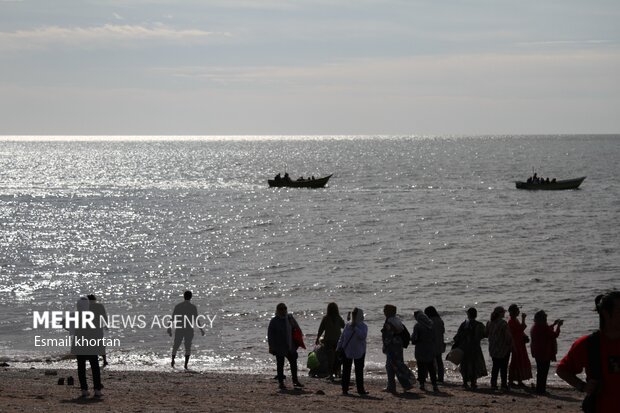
(100, 36)
(481, 76)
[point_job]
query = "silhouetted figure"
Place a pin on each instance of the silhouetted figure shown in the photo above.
(520, 366)
(278, 177)
(393, 350)
(332, 325)
(286, 177)
(500, 346)
(283, 343)
(424, 340)
(544, 347)
(86, 351)
(352, 342)
(100, 315)
(184, 319)
(599, 354)
(440, 346)
(468, 338)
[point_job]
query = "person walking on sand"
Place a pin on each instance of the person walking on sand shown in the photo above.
(500, 345)
(544, 347)
(599, 354)
(283, 338)
(393, 350)
(101, 317)
(440, 346)
(184, 318)
(85, 351)
(424, 340)
(352, 343)
(332, 325)
(520, 366)
(468, 338)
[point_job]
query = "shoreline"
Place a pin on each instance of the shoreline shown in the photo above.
(180, 390)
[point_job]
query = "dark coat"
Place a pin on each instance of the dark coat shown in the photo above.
(280, 336)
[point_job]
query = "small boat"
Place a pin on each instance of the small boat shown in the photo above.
(300, 183)
(551, 185)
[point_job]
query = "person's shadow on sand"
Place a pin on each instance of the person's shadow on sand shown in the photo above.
(408, 396)
(294, 391)
(437, 394)
(364, 397)
(82, 400)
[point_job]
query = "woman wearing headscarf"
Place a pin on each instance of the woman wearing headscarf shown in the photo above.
(500, 345)
(440, 346)
(544, 347)
(282, 343)
(393, 350)
(331, 324)
(424, 340)
(352, 343)
(468, 338)
(520, 366)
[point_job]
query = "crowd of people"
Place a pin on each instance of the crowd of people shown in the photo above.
(598, 353)
(346, 345)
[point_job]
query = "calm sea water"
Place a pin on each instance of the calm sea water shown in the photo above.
(405, 220)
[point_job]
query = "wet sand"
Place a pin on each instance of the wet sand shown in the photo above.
(35, 390)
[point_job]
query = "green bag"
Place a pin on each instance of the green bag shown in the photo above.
(313, 361)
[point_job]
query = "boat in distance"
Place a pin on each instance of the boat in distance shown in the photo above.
(287, 182)
(551, 185)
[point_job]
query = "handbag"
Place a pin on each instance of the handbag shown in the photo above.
(313, 361)
(455, 355)
(298, 337)
(526, 338)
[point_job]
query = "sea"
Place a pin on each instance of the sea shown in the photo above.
(411, 221)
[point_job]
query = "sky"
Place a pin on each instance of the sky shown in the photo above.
(309, 67)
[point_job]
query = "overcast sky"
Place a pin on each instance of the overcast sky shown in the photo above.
(295, 67)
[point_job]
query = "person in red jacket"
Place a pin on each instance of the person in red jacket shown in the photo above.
(520, 367)
(602, 385)
(544, 347)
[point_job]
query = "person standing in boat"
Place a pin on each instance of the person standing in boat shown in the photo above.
(520, 366)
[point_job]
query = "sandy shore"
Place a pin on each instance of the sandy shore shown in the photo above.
(36, 390)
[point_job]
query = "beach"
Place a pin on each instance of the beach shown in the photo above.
(37, 390)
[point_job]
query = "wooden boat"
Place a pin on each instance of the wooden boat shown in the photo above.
(306, 183)
(551, 186)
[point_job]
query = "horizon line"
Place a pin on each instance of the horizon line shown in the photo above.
(275, 137)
